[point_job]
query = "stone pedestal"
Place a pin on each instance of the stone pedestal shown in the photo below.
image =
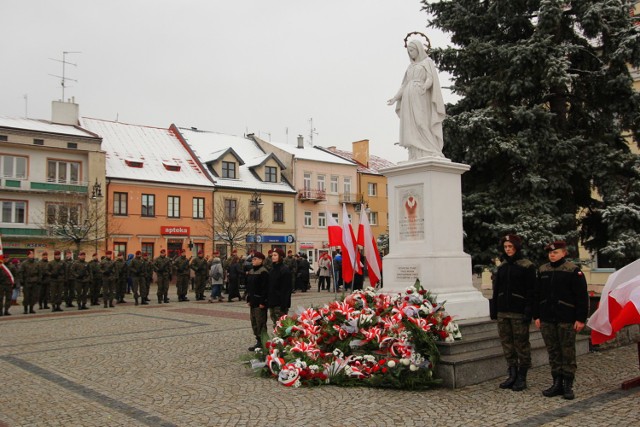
(425, 235)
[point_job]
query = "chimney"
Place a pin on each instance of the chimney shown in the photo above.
(65, 113)
(300, 141)
(361, 152)
(332, 148)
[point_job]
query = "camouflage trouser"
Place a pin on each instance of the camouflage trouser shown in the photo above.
(137, 286)
(55, 291)
(121, 289)
(182, 285)
(560, 339)
(82, 290)
(5, 297)
(43, 298)
(201, 283)
(30, 292)
(96, 287)
(258, 321)
(276, 313)
(108, 289)
(69, 291)
(514, 336)
(163, 286)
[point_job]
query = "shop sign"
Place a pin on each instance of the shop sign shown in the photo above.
(174, 230)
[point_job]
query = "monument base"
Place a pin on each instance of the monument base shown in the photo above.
(425, 235)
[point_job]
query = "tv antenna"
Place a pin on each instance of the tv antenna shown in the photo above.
(63, 78)
(312, 131)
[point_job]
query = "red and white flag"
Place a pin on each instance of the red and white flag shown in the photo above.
(4, 268)
(335, 231)
(371, 253)
(619, 304)
(350, 254)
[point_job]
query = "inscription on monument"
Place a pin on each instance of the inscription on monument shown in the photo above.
(407, 273)
(410, 213)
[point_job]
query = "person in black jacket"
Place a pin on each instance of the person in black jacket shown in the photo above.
(560, 312)
(279, 295)
(257, 291)
(511, 306)
(302, 273)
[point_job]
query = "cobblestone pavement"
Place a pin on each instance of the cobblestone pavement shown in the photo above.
(180, 364)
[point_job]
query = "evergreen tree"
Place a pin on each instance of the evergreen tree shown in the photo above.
(547, 101)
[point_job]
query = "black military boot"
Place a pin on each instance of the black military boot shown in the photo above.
(258, 344)
(166, 299)
(31, 310)
(26, 310)
(105, 304)
(567, 388)
(53, 308)
(508, 383)
(159, 299)
(6, 312)
(555, 389)
(521, 380)
(111, 304)
(136, 299)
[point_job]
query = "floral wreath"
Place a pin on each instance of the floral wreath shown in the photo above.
(366, 339)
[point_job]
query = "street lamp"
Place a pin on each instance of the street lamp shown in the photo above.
(96, 193)
(256, 203)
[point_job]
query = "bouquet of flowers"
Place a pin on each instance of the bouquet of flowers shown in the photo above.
(366, 339)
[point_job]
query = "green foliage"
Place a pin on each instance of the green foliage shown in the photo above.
(546, 103)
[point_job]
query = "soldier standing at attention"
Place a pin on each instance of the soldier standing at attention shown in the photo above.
(148, 278)
(45, 284)
(560, 312)
(181, 265)
(199, 266)
(162, 267)
(122, 274)
(81, 274)
(58, 273)
(512, 305)
(108, 275)
(257, 292)
(136, 270)
(69, 283)
(96, 281)
(30, 278)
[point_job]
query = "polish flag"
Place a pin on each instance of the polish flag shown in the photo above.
(371, 253)
(350, 254)
(335, 231)
(619, 304)
(3, 267)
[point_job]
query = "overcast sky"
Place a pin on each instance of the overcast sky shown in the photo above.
(232, 66)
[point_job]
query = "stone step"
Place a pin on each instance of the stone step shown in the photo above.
(482, 340)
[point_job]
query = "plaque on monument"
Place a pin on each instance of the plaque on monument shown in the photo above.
(410, 213)
(407, 273)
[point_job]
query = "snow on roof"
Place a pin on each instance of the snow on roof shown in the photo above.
(311, 153)
(43, 126)
(206, 143)
(146, 153)
(375, 163)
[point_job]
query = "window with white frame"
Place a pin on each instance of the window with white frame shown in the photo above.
(333, 184)
(14, 211)
(336, 216)
(322, 219)
(307, 218)
(148, 205)
(198, 207)
(14, 167)
(372, 188)
(321, 183)
(173, 206)
(373, 218)
(120, 203)
(63, 213)
(63, 172)
(346, 183)
(307, 181)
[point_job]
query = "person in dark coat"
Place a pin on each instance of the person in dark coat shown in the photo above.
(560, 312)
(302, 275)
(257, 292)
(512, 305)
(235, 273)
(279, 295)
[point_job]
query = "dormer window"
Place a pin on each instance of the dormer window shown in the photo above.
(133, 163)
(271, 174)
(229, 170)
(171, 166)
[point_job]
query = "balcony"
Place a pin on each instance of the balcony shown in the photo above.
(43, 187)
(351, 198)
(314, 196)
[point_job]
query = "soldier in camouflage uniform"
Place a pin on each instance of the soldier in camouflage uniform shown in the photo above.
(199, 266)
(96, 281)
(181, 265)
(148, 278)
(30, 277)
(162, 267)
(137, 271)
(560, 312)
(58, 275)
(7, 283)
(512, 305)
(43, 288)
(81, 274)
(108, 274)
(69, 283)
(292, 265)
(122, 275)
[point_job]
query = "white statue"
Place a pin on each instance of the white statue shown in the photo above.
(420, 106)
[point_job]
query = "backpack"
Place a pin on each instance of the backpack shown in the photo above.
(217, 274)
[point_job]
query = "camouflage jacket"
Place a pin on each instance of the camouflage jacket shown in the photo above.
(80, 271)
(162, 266)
